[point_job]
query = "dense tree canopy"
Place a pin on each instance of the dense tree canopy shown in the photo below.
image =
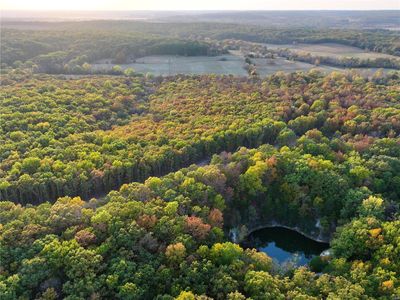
(89, 135)
(165, 239)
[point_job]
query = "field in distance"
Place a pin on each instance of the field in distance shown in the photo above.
(331, 49)
(172, 65)
(233, 63)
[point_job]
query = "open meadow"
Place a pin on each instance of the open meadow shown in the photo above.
(331, 49)
(172, 65)
(266, 66)
(229, 64)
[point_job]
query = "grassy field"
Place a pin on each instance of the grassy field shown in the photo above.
(331, 49)
(269, 66)
(226, 64)
(230, 64)
(171, 65)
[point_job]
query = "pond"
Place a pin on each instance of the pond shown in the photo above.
(285, 245)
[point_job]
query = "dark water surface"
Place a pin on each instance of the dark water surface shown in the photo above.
(285, 245)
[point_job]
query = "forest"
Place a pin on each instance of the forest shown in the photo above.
(328, 154)
(99, 140)
(129, 244)
(121, 185)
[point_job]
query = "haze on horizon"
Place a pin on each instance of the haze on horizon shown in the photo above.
(123, 5)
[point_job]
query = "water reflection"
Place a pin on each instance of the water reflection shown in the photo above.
(285, 245)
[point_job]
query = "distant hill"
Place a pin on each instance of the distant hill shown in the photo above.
(337, 19)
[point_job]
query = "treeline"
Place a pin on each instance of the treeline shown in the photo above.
(345, 62)
(70, 52)
(383, 41)
(164, 239)
(90, 135)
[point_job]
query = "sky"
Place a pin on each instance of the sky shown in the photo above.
(199, 4)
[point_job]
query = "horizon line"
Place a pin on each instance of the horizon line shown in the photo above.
(192, 10)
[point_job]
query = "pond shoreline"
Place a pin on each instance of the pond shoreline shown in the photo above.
(319, 238)
(316, 239)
